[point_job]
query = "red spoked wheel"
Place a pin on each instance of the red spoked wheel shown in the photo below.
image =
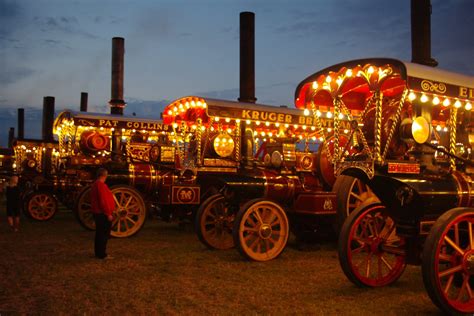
(448, 262)
(370, 252)
(261, 230)
(41, 206)
(130, 211)
(213, 223)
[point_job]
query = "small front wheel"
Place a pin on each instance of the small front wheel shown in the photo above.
(370, 252)
(261, 230)
(41, 206)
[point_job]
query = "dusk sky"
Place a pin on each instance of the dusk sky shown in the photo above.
(177, 48)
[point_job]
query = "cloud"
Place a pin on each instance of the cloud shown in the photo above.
(13, 74)
(63, 24)
(9, 9)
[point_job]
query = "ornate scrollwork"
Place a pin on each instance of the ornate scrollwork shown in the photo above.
(428, 85)
(85, 122)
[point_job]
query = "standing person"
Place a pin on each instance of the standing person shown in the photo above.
(13, 203)
(103, 206)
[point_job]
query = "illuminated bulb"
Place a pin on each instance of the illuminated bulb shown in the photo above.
(203, 128)
(315, 85)
(295, 126)
(445, 129)
(193, 126)
(255, 133)
(231, 140)
(468, 106)
(170, 112)
(306, 112)
(187, 105)
(304, 127)
(257, 123)
(313, 138)
(229, 130)
(438, 128)
(267, 123)
(123, 130)
(143, 131)
(329, 130)
(339, 81)
(237, 121)
(133, 130)
(318, 114)
(247, 122)
(328, 79)
(193, 103)
(321, 139)
(346, 131)
(329, 115)
(313, 128)
(198, 103)
(270, 134)
(300, 136)
(287, 125)
(216, 119)
(227, 120)
(370, 70)
(180, 106)
(212, 128)
(340, 116)
(411, 96)
(262, 133)
(218, 139)
(423, 98)
(457, 104)
(204, 105)
(277, 124)
(264, 139)
(436, 101)
(175, 109)
(349, 73)
(112, 129)
(446, 102)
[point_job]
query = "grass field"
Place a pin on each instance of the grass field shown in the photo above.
(47, 268)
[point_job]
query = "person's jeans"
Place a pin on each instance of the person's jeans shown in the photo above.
(102, 233)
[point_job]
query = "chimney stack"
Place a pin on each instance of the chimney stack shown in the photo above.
(116, 102)
(84, 96)
(11, 136)
(48, 119)
(21, 124)
(247, 57)
(421, 33)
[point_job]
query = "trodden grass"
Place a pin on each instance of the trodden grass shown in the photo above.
(47, 268)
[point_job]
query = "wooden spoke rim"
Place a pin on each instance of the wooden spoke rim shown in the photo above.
(85, 211)
(130, 212)
(454, 264)
(263, 231)
(375, 253)
(359, 192)
(41, 206)
(216, 224)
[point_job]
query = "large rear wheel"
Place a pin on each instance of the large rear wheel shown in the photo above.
(448, 262)
(261, 230)
(370, 252)
(82, 209)
(213, 223)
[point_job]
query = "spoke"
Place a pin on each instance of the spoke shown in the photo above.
(357, 196)
(129, 200)
(267, 246)
(257, 215)
(444, 257)
(455, 246)
(448, 284)
(468, 288)
(367, 269)
(357, 250)
(251, 229)
(450, 271)
(471, 239)
(116, 201)
(388, 232)
(456, 233)
(466, 279)
(130, 220)
(386, 262)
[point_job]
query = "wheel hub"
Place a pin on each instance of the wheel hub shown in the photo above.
(468, 262)
(375, 245)
(123, 213)
(265, 231)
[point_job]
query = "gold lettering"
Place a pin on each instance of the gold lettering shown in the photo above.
(255, 115)
(246, 114)
(101, 122)
(136, 125)
(115, 123)
(287, 118)
(281, 118)
(129, 124)
(272, 117)
(264, 115)
(471, 93)
(301, 120)
(463, 92)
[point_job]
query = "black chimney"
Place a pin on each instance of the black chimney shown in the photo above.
(247, 57)
(116, 99)
(84, 96)
(21, 124)
(48, 118)
(421, 33)
(11, 136)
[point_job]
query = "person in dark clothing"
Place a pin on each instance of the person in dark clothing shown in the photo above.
(13, 203)
(103, 206)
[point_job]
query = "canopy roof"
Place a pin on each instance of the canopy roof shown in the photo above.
(355, 81)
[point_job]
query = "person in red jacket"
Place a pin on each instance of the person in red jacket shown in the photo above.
(103, 206)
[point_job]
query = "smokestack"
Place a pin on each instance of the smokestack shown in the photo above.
(84, 96)
(421, 33)
(48, 118)
(247, 57)
(11, 135)
(116, 100)
(21, 123)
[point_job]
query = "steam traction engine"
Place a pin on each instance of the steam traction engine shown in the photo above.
(265, 162)
(140, 156)
(412, 147)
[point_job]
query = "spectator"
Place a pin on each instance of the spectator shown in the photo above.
(103, 206)
(13, 203)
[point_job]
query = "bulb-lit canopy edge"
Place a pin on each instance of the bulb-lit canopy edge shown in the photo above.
(355, 89)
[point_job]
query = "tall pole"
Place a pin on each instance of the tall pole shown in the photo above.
(421, 33)
(21, 123)
(84, 97)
